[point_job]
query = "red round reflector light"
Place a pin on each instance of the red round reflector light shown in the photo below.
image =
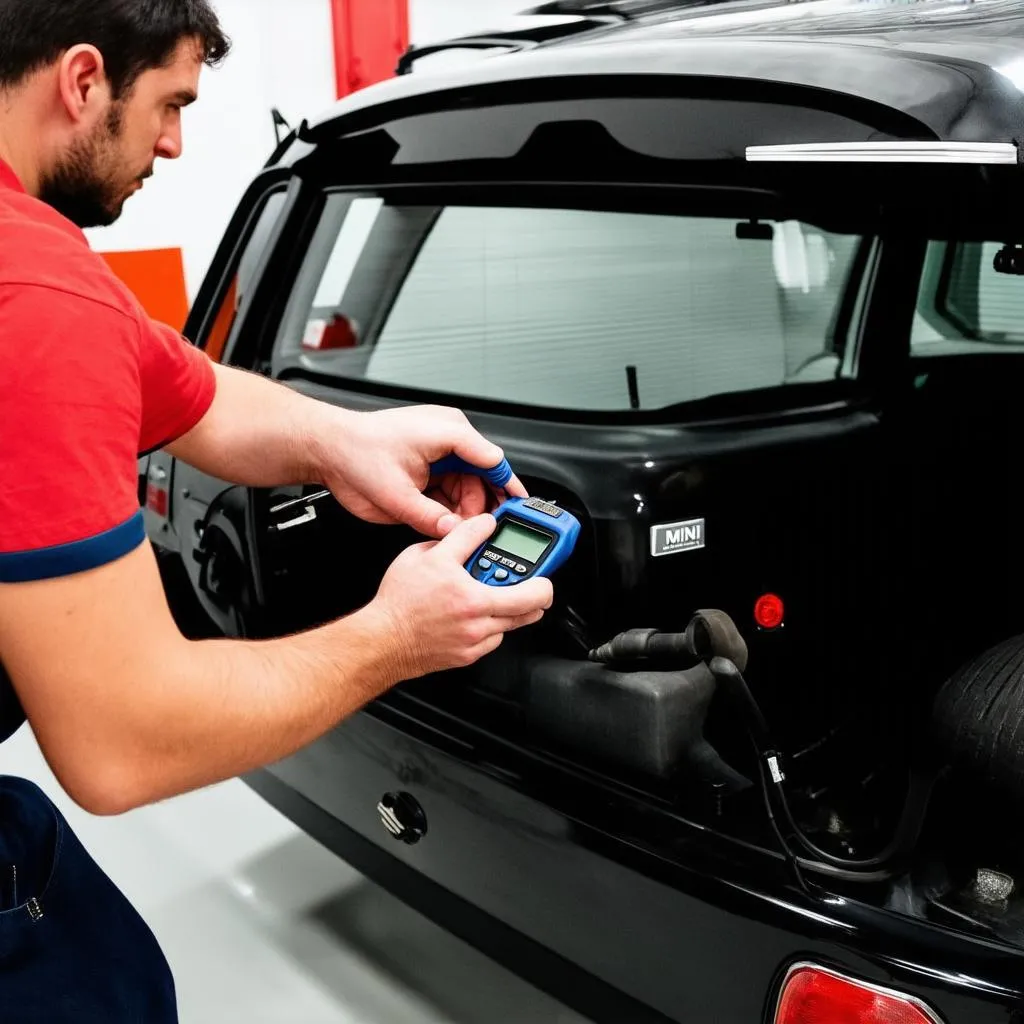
(812, 995)
(769, 611)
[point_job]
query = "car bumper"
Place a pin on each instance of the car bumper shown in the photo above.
(621, 925)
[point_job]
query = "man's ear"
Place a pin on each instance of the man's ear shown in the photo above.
(82, 80)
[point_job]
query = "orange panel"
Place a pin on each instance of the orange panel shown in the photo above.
(157, 277)
(221, 328)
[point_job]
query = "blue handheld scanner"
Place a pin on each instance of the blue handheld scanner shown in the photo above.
(532, 538)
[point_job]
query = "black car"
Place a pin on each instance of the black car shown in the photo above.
(741, 286)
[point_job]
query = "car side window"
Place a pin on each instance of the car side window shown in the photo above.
(215, 339)
(569, 308)
(965, 304)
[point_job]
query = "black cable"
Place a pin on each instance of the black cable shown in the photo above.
(800, 864)
(911, 819)
(710, 635)
(908, 830)
(791, 857)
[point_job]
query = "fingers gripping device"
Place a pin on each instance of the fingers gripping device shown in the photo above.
(532, 537)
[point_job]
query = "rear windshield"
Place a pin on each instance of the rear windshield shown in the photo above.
(578, 309)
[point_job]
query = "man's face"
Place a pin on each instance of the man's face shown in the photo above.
(103, 168)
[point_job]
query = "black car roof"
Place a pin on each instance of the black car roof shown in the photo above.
(955, 66)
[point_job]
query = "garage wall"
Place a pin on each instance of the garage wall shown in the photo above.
(283, 56)
(431, 20)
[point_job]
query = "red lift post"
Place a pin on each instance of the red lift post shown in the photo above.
(369, 38)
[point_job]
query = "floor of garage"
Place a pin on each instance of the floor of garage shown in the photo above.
(261, 924)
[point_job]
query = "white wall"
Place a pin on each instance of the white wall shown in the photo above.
(430, 20)
(283, 56)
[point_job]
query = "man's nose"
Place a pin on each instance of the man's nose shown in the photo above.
(169, 145)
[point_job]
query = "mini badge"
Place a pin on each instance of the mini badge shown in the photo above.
(674, 538)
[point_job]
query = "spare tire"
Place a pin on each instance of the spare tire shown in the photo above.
(978, 719)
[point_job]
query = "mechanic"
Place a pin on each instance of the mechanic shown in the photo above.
(125, 709)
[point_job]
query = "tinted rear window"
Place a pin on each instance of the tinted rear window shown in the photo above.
(551, 307)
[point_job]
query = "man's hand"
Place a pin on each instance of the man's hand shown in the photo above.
(378, 466)
(439, 616)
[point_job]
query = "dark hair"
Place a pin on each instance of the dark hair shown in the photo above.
(133, 35)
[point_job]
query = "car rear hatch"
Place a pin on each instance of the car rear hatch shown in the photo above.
(643, 182)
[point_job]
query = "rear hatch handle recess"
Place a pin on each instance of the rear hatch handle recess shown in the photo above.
(304, 506)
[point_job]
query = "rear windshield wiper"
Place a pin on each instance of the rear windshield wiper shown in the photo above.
(415, 53)
(588, 8)
(623, 10)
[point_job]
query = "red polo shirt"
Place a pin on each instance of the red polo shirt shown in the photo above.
(87, 382)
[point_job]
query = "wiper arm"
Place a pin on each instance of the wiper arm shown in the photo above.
(415, 53)
(589, 8)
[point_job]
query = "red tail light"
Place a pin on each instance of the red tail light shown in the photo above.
(156, 500)
(814, 995)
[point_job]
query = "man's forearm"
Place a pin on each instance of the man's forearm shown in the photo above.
(127, 711)
(230, 707)
(259, 433)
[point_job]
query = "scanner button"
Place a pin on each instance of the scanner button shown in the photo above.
(484, 564)
(501, 575)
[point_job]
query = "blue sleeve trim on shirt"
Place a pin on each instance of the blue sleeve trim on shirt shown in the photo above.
(68, 559)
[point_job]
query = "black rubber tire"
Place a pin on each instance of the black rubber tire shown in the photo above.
(978, 718)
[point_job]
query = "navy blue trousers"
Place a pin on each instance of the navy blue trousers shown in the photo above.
(72, 948)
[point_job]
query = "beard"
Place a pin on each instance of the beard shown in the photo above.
(87, 184)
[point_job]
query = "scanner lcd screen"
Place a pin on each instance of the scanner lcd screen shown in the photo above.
(522, 542)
